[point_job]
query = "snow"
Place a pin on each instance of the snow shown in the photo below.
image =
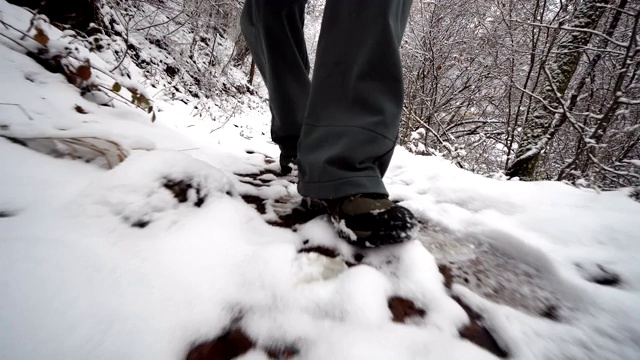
(111, 264)
(547, 226)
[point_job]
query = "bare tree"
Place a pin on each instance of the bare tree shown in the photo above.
(543, 121)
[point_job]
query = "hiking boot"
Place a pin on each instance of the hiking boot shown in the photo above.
(286, 161)
(308, 209)
(371, 220)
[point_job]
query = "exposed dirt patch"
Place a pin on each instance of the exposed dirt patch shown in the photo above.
(256, 201)
(358, 257)
(181, 189)
(605, 277)
(234, 343)
(551, 312)
(141, 224)
(608, 280)
(446, 274)
(289, 210)
(282, 352)
(325, 251)
(478, 334)
(475, 331)
(288, 221)
(7, 214)
(261, 178)
(404, 309)
(250, 180)
(227, 346)
(333, 254)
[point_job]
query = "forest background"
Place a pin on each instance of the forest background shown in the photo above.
(533, 89)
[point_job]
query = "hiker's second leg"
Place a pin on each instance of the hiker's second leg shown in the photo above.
(356, 99)
(353, 118)
(274, 32)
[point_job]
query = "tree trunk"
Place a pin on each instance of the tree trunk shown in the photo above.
(602, 43)
(540, 124)
(252, 72)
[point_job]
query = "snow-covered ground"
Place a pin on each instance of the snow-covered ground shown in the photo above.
(111, 264)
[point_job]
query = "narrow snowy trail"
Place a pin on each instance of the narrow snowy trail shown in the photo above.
(177, 240)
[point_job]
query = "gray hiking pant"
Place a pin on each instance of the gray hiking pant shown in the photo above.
(342, 125)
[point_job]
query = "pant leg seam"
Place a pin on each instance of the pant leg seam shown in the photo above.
(353, 126)
(341, 179)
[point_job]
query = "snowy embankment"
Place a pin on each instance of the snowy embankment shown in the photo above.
(161, 253)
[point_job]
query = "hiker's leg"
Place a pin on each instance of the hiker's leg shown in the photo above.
(274, 32)
(355, 103)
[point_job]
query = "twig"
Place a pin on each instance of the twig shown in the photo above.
(567, 28)
(24, 34)
(164, 22)
(15, 41)
(416, 118)
(21, 108)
